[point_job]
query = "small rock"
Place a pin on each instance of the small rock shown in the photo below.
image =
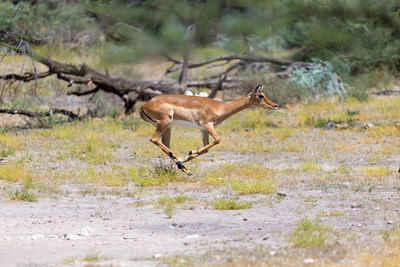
(71, 237)
(53, 236)
(329, 125)
(342, 126)
(157, 255)
(272, 253)
(369, 125)
(355, 205)
(174, 224)
(281, 194)
(265, 238)
(245, 219)
(390, 222)
(130, 237)
(308, 261)
(86, 231)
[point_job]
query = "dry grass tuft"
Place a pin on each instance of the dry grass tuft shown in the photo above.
(376, 171)
(231, 204)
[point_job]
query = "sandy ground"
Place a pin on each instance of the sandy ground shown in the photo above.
(55, 231)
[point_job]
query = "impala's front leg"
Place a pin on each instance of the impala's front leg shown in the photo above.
(210, 128)
(156, 139)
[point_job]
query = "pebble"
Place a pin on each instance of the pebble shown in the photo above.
(272, 253)
(71, 237)
(86, 231)
(157, 255)
(281, 194)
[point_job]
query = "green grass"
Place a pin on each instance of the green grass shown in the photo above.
(309, 233)
(392, 235)
(310, 165)
(376, 171)
(6, 151)
(259, 186)
(169, 210)
(165, 200)
(24, 195)
(92, 257)
(14, 172)
(231, 204)
(343, 169)
(170, 203)
(227, 172)
(159, 175)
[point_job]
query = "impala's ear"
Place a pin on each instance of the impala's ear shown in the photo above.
(259, 88)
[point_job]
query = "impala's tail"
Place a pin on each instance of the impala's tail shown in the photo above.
(146, 117)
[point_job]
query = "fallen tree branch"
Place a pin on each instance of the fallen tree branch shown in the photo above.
(32, 114)
(26, 77)
(83, 74)
(93, 91)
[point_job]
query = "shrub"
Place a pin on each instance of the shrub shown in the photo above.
(231, 204)
(309, 233)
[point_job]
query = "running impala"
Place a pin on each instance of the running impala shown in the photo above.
(165, 111)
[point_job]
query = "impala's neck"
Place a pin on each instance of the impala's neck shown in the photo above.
(233, 107)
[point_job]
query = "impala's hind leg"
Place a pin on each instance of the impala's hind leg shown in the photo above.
(156, 139)
(166, 137)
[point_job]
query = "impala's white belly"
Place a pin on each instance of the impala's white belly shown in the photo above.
(186, 124)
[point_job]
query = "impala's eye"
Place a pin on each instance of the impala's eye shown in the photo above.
(260, 96)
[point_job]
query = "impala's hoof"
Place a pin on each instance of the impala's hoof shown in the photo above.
(189, 173)
(179, 164)
(191, 152)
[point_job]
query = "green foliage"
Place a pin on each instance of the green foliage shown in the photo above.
(365, 31)
(56, 21)
(319, 77)
(258, 186)
(392, 235)
(92, 257)
(170, 203)
(6, 151)
(24, 195)
(231, 204)
(309, 233)
(160, 175)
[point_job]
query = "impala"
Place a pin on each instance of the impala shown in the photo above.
(165, 111)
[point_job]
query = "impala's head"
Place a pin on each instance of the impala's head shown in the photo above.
(258, 98)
